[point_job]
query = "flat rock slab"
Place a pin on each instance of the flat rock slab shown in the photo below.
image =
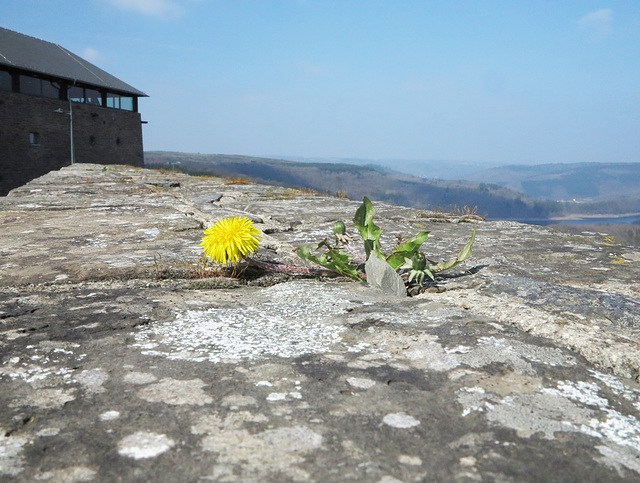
(117, 365)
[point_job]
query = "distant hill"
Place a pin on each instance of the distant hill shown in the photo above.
(591, 182)
(356, 181)
(427, 168)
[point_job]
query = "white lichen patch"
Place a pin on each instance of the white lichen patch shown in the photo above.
(550, 356)
(287, 320)
(617, 428)
(29, 372)
(547, 414)
(360, 382)
(566, 329)
(109, 415)
(92, 380)
(619, 388)
(9, 335)
(264, 455)
(389, 479)
(139, 378)
(424, 352)
(45, 365)
(144, 445)
(121, 262)
(283, 396)
(37, 368)
(99, 241)
(569, 407)
(46, 398)
(515, 354)
(212, 423)
(11, 458)
(71, 474)
(150, 234)
(176, 392)
(432, 357)
(619, 458)
(461, 349)
(400, 420)
(47, 432)
(406, 459)
(585, 392)
(235, 401)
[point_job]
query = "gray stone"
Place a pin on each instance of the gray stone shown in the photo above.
(382, 276)
(115, 367)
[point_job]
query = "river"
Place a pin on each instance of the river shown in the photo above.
(592, 220)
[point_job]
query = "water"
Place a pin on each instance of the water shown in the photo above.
(604, 220)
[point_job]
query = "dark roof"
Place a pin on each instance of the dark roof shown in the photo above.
(38, 56)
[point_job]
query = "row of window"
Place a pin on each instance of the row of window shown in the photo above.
(36, 86)
(34, 139)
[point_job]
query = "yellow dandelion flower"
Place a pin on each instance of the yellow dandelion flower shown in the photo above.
(230, 240)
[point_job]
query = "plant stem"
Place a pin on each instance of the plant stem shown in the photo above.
(355, 252)
(278, 267)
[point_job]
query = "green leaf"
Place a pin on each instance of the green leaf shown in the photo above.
(406, 249)
(369, 232)
(462, 256)
(364, 214)
(332, 260)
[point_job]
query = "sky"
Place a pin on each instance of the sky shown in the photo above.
(483, 81)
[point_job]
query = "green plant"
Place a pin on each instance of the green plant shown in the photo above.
(341, 257)
(419, 268)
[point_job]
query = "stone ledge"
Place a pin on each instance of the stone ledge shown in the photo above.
(108, 372)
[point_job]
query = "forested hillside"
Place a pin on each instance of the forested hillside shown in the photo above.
(357, 181)
(581, 181)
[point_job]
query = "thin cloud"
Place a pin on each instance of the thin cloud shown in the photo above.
(92, 55)
(599, 22)
(151, 8)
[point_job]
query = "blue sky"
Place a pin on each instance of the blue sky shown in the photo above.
(487, 81)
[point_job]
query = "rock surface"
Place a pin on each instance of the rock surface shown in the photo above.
(117, 364)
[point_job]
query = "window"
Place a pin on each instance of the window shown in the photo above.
(50, 89)
(76, 94)
(5, 81)
(117, 102)
(113, 100)
(86, 95)
(126, 103)
(34, 138)
(30, 85)
(93, 97)
(39, 87)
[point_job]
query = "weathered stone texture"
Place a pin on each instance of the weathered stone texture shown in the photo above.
(116, 366)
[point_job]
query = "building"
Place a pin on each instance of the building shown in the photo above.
(57, 109)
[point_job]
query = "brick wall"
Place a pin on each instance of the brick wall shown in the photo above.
(100, 135)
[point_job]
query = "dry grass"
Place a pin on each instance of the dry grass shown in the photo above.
(288, 193)
(238, 181)
(167, 171)
(466, 214)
